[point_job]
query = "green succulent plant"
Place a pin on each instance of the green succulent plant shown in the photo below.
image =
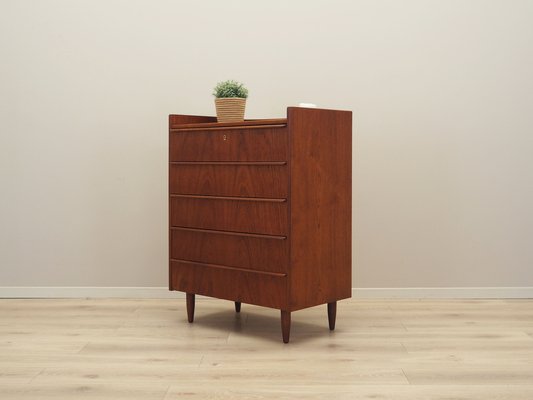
(230, 89)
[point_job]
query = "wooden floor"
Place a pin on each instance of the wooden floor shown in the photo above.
(145, 349)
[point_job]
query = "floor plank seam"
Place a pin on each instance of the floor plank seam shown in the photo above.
(83, 347)
(405, 375)
(32, 379)
(201, 360)
(166, 393)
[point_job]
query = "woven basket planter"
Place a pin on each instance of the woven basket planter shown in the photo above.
(230, 109)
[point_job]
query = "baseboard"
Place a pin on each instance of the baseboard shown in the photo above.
(444, 293)
(65, 292)
(360, 293)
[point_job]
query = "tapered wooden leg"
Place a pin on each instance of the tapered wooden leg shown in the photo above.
(190, 307)
(237, 306)
(332, 314)
(285, 325)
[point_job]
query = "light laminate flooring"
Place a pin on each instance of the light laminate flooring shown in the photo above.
(381, 349)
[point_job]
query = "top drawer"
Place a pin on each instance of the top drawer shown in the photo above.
(250, 144)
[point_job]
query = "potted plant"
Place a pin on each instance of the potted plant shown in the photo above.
(230, 101)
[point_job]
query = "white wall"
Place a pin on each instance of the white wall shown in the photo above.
(442, 94)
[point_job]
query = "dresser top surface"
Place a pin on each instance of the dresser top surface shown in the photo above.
(275, 122)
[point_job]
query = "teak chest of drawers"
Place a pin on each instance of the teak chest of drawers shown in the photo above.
(260, 211)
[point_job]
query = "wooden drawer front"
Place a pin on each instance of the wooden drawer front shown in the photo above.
(263, 289)
(264, 144)
(229, 180)
(261, 253)
(267, 217)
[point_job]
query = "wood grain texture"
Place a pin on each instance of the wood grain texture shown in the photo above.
(256, 179)
(212, 123)
(233, 284)
(267, 144)
(180, 119)
(230, 180)
(320, 201)
(384, 349)
(214, 247)
(262, 217)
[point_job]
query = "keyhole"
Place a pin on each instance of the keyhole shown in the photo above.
(224, 137)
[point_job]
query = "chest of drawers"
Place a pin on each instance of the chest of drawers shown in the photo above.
(260, 211)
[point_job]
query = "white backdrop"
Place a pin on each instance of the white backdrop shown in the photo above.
(442, 95)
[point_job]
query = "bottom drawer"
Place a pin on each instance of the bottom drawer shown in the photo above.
(266, 289)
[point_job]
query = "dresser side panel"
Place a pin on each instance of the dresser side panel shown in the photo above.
(320, 206)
